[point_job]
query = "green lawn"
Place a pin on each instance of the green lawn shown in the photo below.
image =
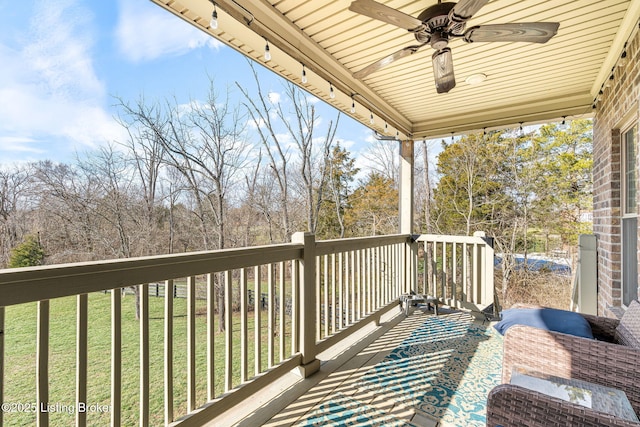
(19, 376)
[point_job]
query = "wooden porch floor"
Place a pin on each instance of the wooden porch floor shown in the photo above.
(292, 400)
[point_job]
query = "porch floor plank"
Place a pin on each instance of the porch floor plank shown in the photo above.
(291, 400)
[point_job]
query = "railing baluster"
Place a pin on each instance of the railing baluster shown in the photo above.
(347, 287)
(377, 276)
(454, 273)
(116, 357)
(144, 355)
(341, 293)
(169, 289)
(211, 333)
(82, 321)
(444, 282)
(271, 316)
(325, 260)
(370, 294)
(435, 269)
(228, 328)
(358, 255)
(281, 297)
(295, 324)
(318, 300)
(354, 298)
(42, 357)
(476, 275)
(191, 344)
(244, 335)
(465, 271)
(257, 320)
(333, 293)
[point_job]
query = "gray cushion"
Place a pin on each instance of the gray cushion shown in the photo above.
(628, 331)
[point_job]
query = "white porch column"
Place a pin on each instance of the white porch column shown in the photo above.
(406, 187)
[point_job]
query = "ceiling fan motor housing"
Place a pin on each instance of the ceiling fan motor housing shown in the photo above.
(436, 20)
(436, 17)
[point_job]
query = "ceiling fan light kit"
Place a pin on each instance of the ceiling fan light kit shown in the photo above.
(442, 22)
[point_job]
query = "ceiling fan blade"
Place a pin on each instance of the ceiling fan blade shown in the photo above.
(443, 70)
(465, 9)
(532, 32)
(386, 14)
(372, 68)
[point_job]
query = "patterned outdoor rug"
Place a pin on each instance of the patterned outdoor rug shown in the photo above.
(343, 410)
(445, 369)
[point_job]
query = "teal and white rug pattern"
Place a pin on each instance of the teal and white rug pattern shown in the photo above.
(445, 369)
(343, 410)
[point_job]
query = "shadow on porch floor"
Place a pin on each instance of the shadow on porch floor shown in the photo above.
(422, 370)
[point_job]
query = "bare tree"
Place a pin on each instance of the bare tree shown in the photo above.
(146, 155)
(383, 159)
(261, 112)
(302, 130)
(14, 184)
(312, 153)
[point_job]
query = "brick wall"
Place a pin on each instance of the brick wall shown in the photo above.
(620, 100)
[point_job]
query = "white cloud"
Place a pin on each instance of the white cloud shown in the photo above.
(274, 97)
(145, 32)
(49, 87)
(17, 144)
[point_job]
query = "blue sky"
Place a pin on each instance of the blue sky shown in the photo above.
(63, 62)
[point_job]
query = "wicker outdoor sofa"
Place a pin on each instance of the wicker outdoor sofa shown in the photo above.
(613, 360)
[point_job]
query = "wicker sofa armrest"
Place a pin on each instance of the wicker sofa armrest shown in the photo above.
(513, 406)
(603, 328)
(567, 356)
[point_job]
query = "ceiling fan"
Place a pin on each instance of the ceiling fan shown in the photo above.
(438, 24)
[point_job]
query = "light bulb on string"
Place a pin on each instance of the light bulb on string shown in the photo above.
(214, 18)
(353, 105)
(371, 121)
(304, 75)
(332, 94)
(267, 52)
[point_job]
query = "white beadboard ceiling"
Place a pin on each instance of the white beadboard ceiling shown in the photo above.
(526, 83)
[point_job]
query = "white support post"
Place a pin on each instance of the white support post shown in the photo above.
(406, 187)
(587, 265)
(406, 209)
(307, 297)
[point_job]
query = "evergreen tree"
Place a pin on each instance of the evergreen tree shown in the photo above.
(342, 171)
(27, 254)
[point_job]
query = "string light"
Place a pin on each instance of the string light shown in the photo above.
(386, 126)
(214, 18)
(304, 75)
(563, 125)
(371, 121)
(353, 105)
(623, 57)
(332, 94)
(267, 52)
(521, 130)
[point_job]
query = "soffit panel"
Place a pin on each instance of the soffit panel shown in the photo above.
(526, 82)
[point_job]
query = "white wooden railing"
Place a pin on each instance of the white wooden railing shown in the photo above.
(306, 296)
(456, 269)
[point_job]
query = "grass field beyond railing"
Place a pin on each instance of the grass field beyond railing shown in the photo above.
(20, 360)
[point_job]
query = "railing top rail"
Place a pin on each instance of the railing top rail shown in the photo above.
(325, 247)
(20, 285)
(438, 238)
